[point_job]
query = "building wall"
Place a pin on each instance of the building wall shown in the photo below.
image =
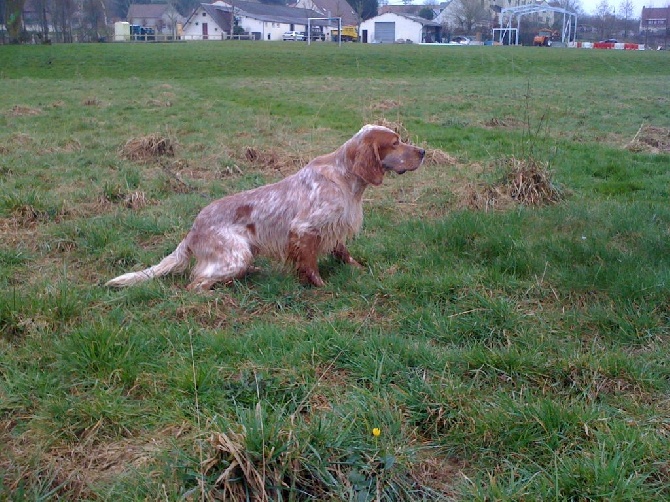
(268, 30)
(404, 28)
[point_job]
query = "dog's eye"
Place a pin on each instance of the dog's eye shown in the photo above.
(396, 142)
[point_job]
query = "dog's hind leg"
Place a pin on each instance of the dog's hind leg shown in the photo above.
(303, 251)
(220, 260)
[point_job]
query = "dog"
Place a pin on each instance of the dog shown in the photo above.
(310, 213)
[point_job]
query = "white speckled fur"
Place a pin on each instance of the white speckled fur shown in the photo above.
(309, 213)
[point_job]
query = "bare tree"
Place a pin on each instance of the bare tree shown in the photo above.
(62, 13)
(626, 13)
(94, 19)
(604, 18)
(469, 13)
(14, 19)
(172, 16)
(43, 11)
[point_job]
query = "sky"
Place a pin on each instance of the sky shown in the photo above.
(588, 6)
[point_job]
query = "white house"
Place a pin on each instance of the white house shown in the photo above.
(218, 20)
(389, 28)
(162, 17)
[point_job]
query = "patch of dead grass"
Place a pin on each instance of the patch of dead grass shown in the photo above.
(74, 470)
(525, 181)
(495, 122)
(146, 149)
(273, 159)
(24, 111)
(650, 139)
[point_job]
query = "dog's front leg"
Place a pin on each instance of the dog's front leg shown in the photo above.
(342, 254)
(303, 252)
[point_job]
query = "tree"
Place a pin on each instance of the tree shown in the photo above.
(427, 13)
(626, 13)
(604, 19)
(62, 12)
(365, 9)
(469, 13)
(186, 7)
(94, 19)
(14, 19)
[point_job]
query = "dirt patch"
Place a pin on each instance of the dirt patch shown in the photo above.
(91, 102)
(438, 473)
(73, 470)
(387, 104)
(146, 149)
(650, 139)
(24, 111)
(496, 122)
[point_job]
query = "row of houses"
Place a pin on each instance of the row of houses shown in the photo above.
(250, 19)
(224, 19)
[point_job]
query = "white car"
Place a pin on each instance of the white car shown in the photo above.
(461, 40)
(293, 35)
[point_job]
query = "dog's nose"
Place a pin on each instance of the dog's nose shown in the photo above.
(422, 152)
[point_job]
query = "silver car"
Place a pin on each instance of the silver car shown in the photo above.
(294, 36)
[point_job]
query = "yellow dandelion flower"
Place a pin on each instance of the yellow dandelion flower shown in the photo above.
(376, 432)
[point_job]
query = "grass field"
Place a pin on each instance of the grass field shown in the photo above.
(491, 349)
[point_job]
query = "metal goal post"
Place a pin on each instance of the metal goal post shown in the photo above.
(339, 27)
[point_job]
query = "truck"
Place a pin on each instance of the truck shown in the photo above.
(543, 38)
(349, 34)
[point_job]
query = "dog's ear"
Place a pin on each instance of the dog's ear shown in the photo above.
(366, 162)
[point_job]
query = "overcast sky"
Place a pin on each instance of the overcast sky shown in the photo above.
(589, 6)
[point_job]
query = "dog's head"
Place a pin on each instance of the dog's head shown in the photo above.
(377, 149)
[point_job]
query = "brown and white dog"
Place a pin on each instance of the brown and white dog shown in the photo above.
(312, 212)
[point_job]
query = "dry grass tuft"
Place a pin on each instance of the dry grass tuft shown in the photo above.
(398, 127)
(524, 181)
(273, 160)
(136, 200)
(502, 122)
(386, 104)
(91, 102)
(24, 111)
(529, 182)
(240, 476)
(436, 157)
(650, 139)
(148, 148)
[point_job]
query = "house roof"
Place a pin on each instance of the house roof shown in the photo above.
(262, 12)
(418, 19)
(147, 11)
(337, 8)
(217, 14)
(400, 9)
(655, 13)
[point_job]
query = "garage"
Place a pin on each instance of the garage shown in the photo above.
(384, 32)
(391, 28)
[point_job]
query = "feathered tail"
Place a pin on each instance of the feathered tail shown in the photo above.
(177, 261)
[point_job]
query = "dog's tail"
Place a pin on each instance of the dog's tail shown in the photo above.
(177, 261)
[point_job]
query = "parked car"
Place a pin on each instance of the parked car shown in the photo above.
(461, 40)
(294, 36)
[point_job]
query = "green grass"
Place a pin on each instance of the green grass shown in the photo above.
(514, 354)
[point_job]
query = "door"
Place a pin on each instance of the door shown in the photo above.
(365, 36)
(204, 31)
(385, 33)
